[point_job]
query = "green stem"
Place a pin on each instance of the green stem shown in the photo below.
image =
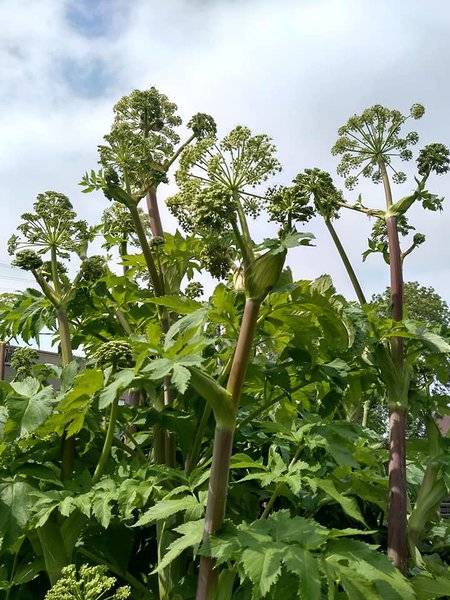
(148, 255)
(397, 516)
(192, 458)
(347, 264)
(247, 256)
(223, 444)
(107, 443)
(366, 410)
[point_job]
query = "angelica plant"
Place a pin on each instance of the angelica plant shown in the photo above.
(52, 229)
(370, 145)
(218, 192)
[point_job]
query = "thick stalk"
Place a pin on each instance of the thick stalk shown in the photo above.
(223, 444)
(154, 215)
(347, 264)
(366, 410)
(148, 255)
(397, 517)
(2, 360)
(106, 451)
(68, 443)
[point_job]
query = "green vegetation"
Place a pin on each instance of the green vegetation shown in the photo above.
(233, 446)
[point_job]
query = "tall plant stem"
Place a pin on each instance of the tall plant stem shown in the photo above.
(154, 214)
(148, 255)
(2, 360)
(347, 264)
(68, 443)
(107, 443)
(223, 444)
(397, 517)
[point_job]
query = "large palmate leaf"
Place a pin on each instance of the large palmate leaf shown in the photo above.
(71, 410)
(27, 408)
(15, 501)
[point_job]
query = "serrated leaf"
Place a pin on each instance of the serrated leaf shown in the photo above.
(303, 564)
(165, 509)
(349, 505)
(27, 412)
(179, 304)
(428, 587)
(180, 378)
(263, 567)
(121, 382)
(191, 535)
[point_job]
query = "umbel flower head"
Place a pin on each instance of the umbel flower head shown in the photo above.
(372, 139)
(117, 354)
(194, 289)
(216, 179)
(52, 225)
(433, 158)
(89, 583)
(287, 205)
(28, 260)
(92, 268)
(22, 361)
(141, 144)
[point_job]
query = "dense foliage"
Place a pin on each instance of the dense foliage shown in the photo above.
(230, 446)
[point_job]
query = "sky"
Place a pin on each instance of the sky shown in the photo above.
(295, 70)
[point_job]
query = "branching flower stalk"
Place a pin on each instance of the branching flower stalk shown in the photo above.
(53, 229)
(215, 179)
(369, 144)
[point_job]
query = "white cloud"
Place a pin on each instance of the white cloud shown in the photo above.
(296, 69)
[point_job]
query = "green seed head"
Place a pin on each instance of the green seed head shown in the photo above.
(117, 354)
(28, 260)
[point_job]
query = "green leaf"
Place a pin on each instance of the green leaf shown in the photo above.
(180, 378)
(361, 567)
(15, 503)
(28, 409)
(349, 505)
(179, 304)
(263, 567)
(121, 382)
(428, 587)
(303, 564)
(191, 535)
(72, 408)
(166, 508)
(191, 321)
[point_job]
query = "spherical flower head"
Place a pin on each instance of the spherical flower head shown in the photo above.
(371, 141)
(194, 289)
(116, 353)
(149, 113)
(28, 260)
(203, 126)
(434, 157)
(117, 224)
(216, 257)
(93, 268)
(46, 270)
(418, 239)
(417, 111)
(22, 361)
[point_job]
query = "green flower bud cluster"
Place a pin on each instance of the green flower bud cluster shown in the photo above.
(287, 205)
(116, 353)
(434, 157)
(157, 242)
(53, 224)
(28, 260)
(22, 361)
(214, 179)
(93, 268)
(193, 290)
(374, 138)
(418, 239)
(46, 270)
(118, 226)
(89, 583)
(202, 126)
(216, 257)
(202, 208)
